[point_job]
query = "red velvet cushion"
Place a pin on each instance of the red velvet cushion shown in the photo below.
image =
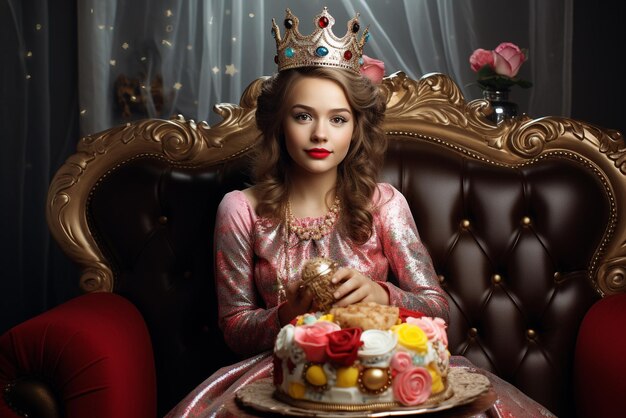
(94, 349)
(600, 365)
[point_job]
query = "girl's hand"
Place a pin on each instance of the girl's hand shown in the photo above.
(299, 301)
(355, 287)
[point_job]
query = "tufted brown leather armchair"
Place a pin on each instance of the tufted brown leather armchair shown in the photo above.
(525, 222)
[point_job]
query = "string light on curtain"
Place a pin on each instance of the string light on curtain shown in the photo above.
(170, 57)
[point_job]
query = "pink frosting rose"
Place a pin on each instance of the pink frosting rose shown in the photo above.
(480, 58)
(413, 386)
(314, 338)
(507, 59)
(401, 361)
(373, 69)
(434, 328)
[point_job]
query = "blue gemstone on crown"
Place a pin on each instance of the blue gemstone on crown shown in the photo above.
(289, 52)
(367, 36)
(321, 51)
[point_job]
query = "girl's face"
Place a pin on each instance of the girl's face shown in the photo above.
(318, 125)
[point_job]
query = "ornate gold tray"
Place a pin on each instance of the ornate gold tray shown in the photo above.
(466, 387)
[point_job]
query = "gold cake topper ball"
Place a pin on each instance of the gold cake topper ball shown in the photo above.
(320, 48)
(316, 276)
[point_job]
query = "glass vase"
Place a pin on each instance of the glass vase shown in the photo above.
(502, 108)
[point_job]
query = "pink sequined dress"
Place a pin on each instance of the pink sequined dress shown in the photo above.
(250, 255)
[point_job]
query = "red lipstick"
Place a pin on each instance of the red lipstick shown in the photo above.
(318, 153)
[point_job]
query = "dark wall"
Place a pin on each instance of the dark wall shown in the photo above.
(598, 85)
(38, 130)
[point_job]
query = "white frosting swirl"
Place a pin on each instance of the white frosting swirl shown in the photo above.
(284, 341)
(377, 343)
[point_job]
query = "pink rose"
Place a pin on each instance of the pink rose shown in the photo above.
(412, 387)
(434, 328)
(480, 58)
(373, 69)
(314, 338)
(507, 59)
(401, 361)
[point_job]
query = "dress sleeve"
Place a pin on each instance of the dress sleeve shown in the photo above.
(249, 328)
(418, 287)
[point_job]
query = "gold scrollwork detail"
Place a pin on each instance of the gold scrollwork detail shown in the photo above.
(434, 98)
(531, 138)
(97, 278)
(611, 142)
(611, 277)
(179, 138)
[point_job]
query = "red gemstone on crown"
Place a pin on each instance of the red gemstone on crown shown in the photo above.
(323, 22)
(347, 55)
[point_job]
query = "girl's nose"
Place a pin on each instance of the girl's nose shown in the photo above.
(319, 133)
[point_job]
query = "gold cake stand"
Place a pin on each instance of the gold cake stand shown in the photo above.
(472, 394)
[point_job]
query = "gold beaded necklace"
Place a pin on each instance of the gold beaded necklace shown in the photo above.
(317, 231)
(304, 233)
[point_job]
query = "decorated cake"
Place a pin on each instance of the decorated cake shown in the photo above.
(362, 357)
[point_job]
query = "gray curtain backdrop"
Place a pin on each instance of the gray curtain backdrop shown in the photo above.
(182, 57)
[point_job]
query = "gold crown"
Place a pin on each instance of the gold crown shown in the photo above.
(322, 47)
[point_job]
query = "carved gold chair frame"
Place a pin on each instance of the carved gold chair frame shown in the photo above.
(432, 108)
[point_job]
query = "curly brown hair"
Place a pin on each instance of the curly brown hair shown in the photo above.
(357, 174)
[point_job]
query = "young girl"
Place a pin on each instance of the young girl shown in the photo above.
(316, 194)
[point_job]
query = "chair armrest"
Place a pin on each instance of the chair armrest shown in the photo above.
(90, 356)
(599, 363)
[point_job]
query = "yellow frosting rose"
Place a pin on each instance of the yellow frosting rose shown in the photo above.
(437, 381)
(412, 337)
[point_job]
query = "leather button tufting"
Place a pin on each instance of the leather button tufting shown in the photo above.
(162, 219)
(465, 223)
(526, 220)
(496, 278)
(530, 333)
(557, 277)
(441, 278)
(472, 332)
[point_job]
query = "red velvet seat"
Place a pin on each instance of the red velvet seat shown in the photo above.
(93, 353)
(600, 365)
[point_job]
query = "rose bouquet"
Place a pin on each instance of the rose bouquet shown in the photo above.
(497, 69)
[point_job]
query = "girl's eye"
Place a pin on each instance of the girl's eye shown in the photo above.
(339, 120)
(303, 116)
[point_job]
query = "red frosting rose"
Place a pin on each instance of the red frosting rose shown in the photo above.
(405, 313)
(343, 346)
